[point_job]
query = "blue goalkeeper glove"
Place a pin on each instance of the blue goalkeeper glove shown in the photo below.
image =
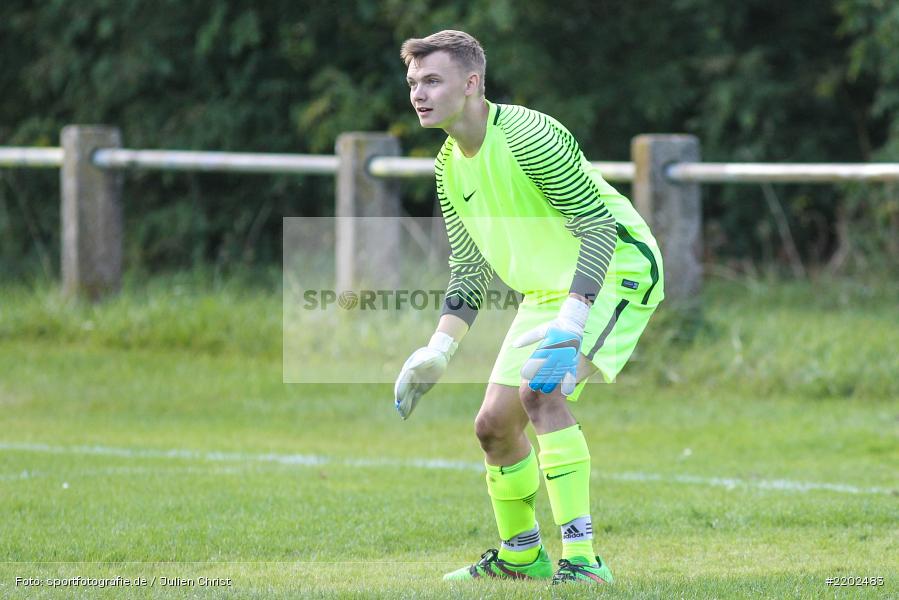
(421, 371)
(555, 360)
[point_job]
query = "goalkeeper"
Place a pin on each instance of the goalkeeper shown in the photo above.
(520, 201)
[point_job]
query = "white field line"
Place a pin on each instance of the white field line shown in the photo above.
(313, 460)
(18, 476)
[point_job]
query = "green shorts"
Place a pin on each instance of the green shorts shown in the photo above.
(610, 336)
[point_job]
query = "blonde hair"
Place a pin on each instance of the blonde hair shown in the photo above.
(462, 47)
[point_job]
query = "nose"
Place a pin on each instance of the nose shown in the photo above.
(417, 93)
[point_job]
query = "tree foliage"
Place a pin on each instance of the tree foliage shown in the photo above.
(755, 80)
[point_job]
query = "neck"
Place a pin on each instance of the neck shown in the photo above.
(471, 128)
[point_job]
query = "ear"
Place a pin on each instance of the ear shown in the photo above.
(472, 84)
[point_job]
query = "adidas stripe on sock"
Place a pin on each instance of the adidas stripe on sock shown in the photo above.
(524, 540)
(577, 530)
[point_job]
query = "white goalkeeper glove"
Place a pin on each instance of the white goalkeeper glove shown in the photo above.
(555, 360)
(421, 371)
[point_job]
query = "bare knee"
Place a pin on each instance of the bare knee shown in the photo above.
(494, 432)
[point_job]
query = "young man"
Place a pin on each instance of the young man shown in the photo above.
(521, 201)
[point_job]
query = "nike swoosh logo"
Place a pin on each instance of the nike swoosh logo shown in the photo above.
(468, 197)
(572, 343)
(551, 477)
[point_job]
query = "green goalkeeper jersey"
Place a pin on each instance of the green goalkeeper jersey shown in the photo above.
(530, 208)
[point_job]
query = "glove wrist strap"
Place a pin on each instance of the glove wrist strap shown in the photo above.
(573, 315)
(443, 343)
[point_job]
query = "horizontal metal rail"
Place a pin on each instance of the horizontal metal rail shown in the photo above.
(782, 172)
(244, 162)
(399, 166)
(30, 157)
(407, 167)
(616, 171)
(240, 162)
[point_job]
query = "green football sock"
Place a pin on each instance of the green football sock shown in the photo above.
(512, 491)
(565, 460)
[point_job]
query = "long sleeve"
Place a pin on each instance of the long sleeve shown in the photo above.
(550, 156)
(470, 273)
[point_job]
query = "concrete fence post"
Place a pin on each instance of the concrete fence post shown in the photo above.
(367, 243)
(673, 211)
(91, 214)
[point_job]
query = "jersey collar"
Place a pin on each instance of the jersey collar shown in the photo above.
(491, 114)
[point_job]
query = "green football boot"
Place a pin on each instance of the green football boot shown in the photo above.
(491, 566)
(580, 570)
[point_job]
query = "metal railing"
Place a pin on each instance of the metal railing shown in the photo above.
(408, 167)
(31, 157)
(237, 162)
(665, 172)
(782, 172)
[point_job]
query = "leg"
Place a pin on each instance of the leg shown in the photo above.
(565, 460)
(500, 426)
(513, 476)
(616, 325)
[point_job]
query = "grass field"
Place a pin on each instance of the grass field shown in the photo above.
(152, 436)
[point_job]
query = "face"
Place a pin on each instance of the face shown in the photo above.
(438, 89)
